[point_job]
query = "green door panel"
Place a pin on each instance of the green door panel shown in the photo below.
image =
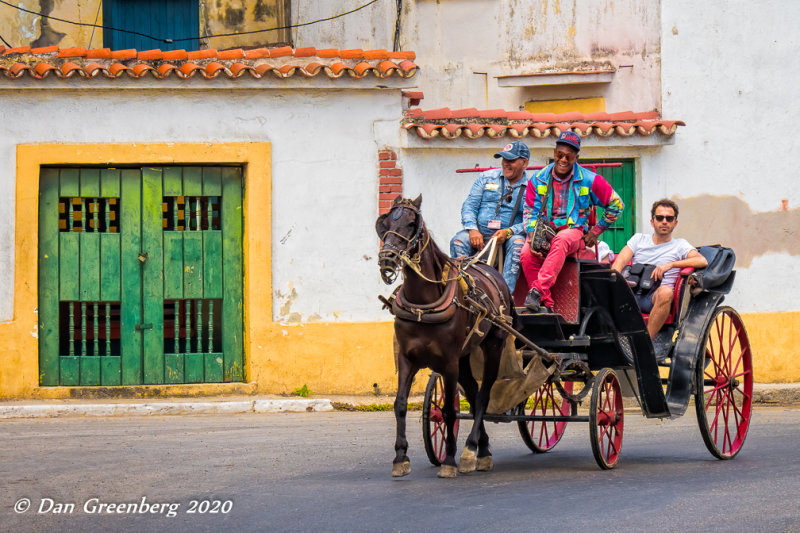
(140, 275)
(623, 180)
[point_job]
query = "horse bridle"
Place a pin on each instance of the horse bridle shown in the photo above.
(391, 257)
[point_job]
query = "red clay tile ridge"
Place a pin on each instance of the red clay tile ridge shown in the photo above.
(473, 124)
(282, 63)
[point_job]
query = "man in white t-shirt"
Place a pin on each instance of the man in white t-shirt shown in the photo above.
(671, 255)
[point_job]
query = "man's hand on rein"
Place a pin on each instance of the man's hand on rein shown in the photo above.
(590, 238)
(476, 239)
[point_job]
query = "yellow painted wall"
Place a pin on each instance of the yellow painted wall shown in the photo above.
(329, 358)
(774, 338)
(581, 105)
(25, 29)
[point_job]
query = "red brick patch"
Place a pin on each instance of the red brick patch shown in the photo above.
(390, 180)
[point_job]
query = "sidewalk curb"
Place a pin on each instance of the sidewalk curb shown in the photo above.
(165, 408)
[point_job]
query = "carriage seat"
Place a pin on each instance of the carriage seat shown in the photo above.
(680, 297)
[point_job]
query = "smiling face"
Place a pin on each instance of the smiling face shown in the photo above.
(565, 157)
(661, 221)
(514, 168)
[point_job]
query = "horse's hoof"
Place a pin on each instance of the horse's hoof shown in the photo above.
(485, 463)
(447, 471)
(468, 461)
(401, 469)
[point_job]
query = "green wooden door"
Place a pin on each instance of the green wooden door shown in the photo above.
(623, 180)
(140, 276)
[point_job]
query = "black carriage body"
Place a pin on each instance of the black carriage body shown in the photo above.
(597, 321)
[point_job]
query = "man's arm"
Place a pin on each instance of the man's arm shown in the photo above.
(622, 259)
(693, 259)
(532, 205)
(469, 212)
(608, 198)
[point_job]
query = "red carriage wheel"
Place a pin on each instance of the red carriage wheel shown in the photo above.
(606, 419)
(724, 384)
(542, 435)
(434, 430)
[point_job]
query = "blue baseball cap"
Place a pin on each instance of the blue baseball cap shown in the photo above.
(570, 138)
(514, 150)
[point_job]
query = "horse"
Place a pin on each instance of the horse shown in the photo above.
(439, 318)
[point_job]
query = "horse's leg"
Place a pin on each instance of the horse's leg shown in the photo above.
(492, 349)
(448, 468)
(401, 466)
(467, 380)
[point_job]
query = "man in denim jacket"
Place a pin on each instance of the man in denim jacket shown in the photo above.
(494, 209)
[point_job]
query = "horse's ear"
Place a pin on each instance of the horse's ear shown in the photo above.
(417, 201)
(381, 226)
(398, 199)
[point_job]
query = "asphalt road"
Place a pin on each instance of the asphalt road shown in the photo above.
(331, 472)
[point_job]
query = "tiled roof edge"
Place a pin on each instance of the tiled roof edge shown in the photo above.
(285, 62)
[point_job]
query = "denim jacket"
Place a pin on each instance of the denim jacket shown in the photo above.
(479, 207)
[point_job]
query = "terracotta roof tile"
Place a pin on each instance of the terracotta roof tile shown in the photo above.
(123, 54)
(98, 53)
(175, 55)
(46, 50)
(18, 50)
(237, 53)
(356, 53)
(305, 52)
(280, 52)
(66, 52)
(473, 123)
(148, 55)
(309, 62)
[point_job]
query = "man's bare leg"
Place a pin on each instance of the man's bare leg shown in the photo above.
(662, 301)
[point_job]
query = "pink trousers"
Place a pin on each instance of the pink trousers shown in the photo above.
(542, 274)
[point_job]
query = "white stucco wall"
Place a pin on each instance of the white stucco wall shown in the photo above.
(730, 71)
(324, 172)
(464, 45)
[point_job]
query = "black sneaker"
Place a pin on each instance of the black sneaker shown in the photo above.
(533, 299)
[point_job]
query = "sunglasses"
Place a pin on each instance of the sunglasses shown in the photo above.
(660, 218)
(508, 196)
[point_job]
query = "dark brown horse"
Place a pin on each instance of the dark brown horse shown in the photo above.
(437, 323)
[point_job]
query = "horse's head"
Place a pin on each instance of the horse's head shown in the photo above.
(399, 229)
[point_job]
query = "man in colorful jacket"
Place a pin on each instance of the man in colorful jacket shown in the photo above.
(494, 209)
(573, 191)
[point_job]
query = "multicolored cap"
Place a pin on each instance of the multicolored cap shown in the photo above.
(514, 150)
(570, 138)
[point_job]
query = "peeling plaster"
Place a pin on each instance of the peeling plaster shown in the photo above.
(729, 221)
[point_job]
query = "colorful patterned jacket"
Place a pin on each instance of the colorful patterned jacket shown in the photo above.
(587, 189)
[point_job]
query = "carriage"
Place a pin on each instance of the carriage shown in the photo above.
(605, 355)
(594, 345)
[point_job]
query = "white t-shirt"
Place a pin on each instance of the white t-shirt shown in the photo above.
(646, 251)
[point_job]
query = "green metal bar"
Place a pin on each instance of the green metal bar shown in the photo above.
(174, 213)
(96, 342)
(187, 345)
(177, 326)
(72, 329)
(106, 209)
(186, 208)
(209, 210)
(83, 328)
(96, 214)
(199, 325)
(70, 215)
(108, 328)
(197, 214)
(210, 326)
